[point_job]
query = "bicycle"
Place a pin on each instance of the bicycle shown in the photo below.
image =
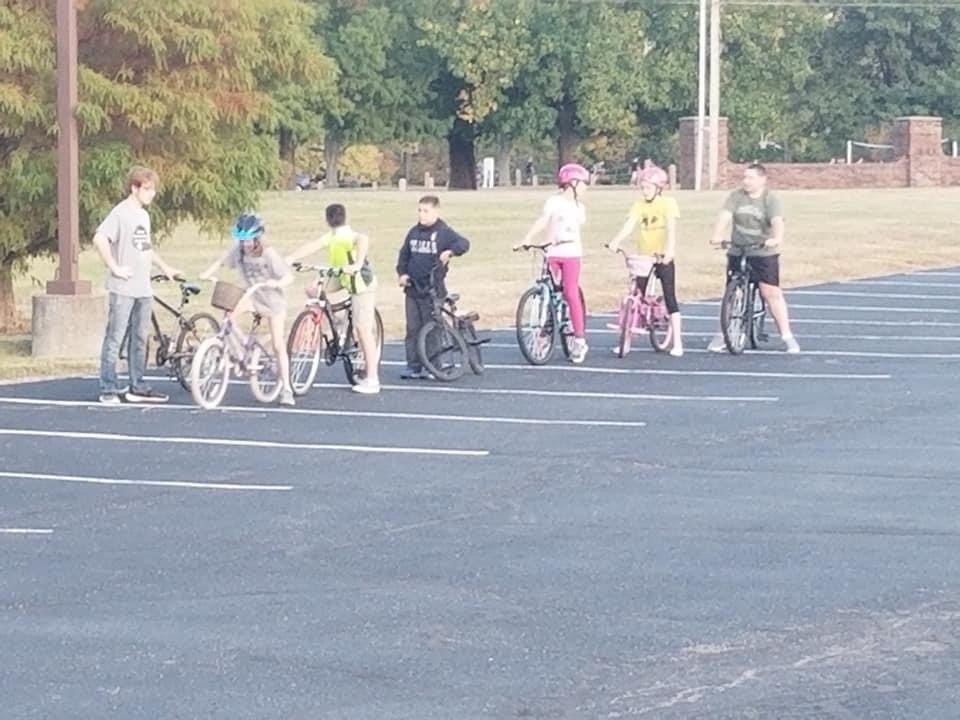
(177, 355)
(642, 311)
(548, 311)
(448, 336)
(743, 311)
(315, 336)
(231, 350)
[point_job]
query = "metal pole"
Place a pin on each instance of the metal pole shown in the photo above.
(701, 98)
(68, 157)
(849, 152)
(714, 92)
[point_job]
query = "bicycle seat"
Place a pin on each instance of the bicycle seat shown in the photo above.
(191, 289)
(453, 297)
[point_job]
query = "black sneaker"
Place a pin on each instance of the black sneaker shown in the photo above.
(415, 375)
(146, 395)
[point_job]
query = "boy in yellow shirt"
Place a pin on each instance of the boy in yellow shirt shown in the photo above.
(654, 218)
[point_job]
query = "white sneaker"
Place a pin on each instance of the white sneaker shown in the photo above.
(793, 347)
(676, 351)
(286, 397)
(365, 387)
(579, 352)
(717, 344)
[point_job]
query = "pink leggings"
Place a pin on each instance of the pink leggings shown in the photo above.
(568, 268)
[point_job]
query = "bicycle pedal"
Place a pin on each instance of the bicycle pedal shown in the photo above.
(763, 337)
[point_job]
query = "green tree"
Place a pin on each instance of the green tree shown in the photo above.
(383, 80)
(481, 47)
(175, 85)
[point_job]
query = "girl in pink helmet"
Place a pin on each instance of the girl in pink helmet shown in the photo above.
(563, 215)
(654, 218)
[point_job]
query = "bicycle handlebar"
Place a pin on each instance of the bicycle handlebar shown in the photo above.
(163, 278)
(319, 269)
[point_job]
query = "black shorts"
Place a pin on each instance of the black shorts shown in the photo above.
(668, 282)
(764, 269)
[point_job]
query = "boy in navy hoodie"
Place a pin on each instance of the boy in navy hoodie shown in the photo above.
(429, 243)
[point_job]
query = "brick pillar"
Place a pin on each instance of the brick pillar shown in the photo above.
(686, 168)
(917, 139)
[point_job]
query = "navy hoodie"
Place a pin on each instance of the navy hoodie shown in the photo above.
(421, 252)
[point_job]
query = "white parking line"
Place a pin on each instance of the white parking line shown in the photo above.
(936, 273)
(899, 283)
(26, 531)
(150, 483)
(841, 321)
(694, 373)
(852, 293)
(845, 308)
(494, 419)
(570, 393)
(225, 442)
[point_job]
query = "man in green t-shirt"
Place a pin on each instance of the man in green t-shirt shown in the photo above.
(756, 216)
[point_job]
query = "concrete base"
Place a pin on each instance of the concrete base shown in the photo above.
(68, 326)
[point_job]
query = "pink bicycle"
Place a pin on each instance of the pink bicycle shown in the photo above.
(642, 309)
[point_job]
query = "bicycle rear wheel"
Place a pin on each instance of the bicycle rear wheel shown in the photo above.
(474, 352)
(354, 362)
(210, 373)
(536, 325)
(758, 316)
(566, 327)
(733, 315)
(305, 346)
(197, 329)
(442, 350)
(661, 331)
(264, 375)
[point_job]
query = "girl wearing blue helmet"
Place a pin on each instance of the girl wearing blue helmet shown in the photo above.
(259, 263)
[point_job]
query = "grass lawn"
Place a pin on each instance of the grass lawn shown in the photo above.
(831, 234)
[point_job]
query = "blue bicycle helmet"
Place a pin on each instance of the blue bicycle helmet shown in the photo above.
(249, 227)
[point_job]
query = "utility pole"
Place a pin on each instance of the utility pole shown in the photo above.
(714, 91)
(701, 97)
(67, 281)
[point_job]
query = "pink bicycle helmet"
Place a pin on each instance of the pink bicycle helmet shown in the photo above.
(572, 172)
(655, 175)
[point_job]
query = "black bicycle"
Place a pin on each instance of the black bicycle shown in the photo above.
(448, 337)
(175, 354)
(743, 311)
(319, 333)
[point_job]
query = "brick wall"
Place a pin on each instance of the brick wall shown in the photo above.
(920, 161)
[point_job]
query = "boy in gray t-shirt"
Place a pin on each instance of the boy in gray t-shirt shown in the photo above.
(124, 243)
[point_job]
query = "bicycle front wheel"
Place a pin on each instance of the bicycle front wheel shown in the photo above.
(197, 328)
(305, 346)
(628, 319)
(733, 316)
(536, 325)
(210, 373)
(442, 350)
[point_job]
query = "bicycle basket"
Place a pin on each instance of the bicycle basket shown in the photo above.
(226, 296)
(639, 265)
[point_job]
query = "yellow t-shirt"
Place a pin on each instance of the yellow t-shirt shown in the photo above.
(651, 220)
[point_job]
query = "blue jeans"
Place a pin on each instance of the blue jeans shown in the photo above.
(125, 312)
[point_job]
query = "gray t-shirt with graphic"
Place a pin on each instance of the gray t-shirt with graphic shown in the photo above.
(127, 227)
(752, 222)
(270, 265)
